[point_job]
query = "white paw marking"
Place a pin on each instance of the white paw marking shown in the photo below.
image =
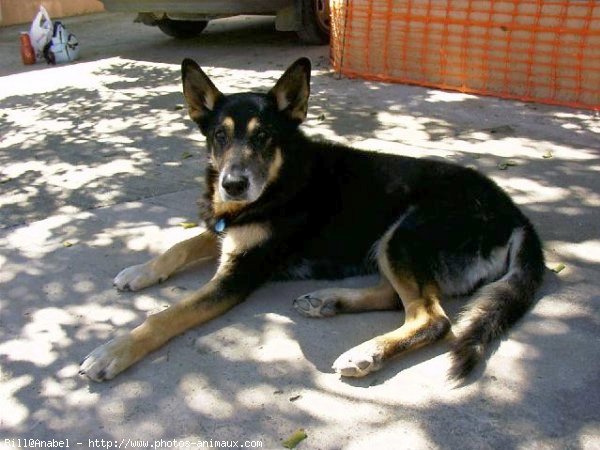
(137, 277)
(360, 361)
(107, 360)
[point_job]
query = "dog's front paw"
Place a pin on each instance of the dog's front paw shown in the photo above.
(137, 277)
(360, 361)
(315, 305)
(108, 360)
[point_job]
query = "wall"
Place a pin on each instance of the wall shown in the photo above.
(23, 11)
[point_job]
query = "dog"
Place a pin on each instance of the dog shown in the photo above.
(278, 205)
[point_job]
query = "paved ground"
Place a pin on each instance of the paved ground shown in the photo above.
(99, 165)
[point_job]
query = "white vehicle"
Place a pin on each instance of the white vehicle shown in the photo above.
(188, 18)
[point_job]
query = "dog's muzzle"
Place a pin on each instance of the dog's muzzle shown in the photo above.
(235, 184)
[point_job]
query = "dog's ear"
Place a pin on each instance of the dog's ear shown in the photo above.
(200, 93)
(292, 90)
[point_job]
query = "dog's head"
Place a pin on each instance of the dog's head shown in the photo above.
(244, 131)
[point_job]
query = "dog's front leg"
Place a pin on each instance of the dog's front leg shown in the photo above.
(121, 352)
(134, 278)
(244, 266)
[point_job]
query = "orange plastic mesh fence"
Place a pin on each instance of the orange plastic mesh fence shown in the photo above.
(533, 50)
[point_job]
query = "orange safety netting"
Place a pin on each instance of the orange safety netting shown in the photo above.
(533, 50)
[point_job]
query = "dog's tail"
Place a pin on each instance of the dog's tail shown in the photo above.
(498, 305)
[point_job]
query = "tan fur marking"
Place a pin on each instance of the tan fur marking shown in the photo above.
(184, 253)
(240, 239)
(300, 111)
(209, 100)
(216, 198)
(253, 123)
(275, 166)
(421, 305)
(229, 125)
(282, 101)
(230, 207)
(379, 297)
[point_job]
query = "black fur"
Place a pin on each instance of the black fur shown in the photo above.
(330, 204)
(499, 305)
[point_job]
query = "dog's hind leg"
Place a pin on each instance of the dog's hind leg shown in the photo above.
(134, 278)
(329, 302)
(425, 321)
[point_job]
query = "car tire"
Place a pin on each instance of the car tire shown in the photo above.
(314, 21)
(182, 29)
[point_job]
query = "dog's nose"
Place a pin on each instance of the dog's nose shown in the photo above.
(235, 184)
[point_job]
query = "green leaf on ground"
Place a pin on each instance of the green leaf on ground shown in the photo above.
(186, 155)
(548, 154)
(187, 225)
(67, 244)
(295, 438)
(559, 268)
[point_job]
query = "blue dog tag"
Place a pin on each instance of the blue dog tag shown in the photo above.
(220, 225)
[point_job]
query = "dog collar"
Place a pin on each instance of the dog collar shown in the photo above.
(220, 225)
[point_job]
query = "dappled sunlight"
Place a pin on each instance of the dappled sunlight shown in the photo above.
(11, 385)
(254, 396)
(323, 406)
(449, 97)
(37, 351)
(562, 309)
(201, 398)
(549, 327)
(88, 133)
(99, 168)
(586, 251)
(581, 122)
(237, 369)
(278, 344)
(525, 190)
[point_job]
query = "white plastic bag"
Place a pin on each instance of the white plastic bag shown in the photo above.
(63, 47)
(40, 32)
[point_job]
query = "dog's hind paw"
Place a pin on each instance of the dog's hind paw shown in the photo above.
(360, 360)
(310, 305)
(137, 277)
(108, 360)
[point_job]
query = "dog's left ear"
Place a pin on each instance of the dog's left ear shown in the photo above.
(292, 90)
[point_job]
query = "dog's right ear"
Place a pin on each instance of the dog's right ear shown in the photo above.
(200, 93)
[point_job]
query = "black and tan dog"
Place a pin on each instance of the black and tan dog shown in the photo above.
(278, 205)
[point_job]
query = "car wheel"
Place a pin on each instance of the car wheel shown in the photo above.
(314, 21)
(181, 29)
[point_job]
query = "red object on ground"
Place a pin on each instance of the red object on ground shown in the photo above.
(27, 53)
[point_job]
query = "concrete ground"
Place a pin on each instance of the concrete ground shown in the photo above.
(99, 166)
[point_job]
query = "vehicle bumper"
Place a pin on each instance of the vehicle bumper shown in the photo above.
(208, 8)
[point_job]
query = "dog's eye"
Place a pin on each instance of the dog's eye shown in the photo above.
(221, 137)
